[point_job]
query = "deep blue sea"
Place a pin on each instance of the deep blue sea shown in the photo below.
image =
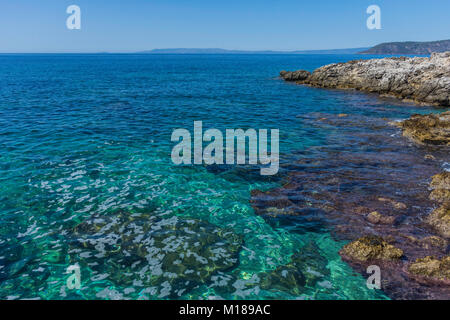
(86, 178)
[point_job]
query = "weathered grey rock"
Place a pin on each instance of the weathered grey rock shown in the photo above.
(299, 75)
(423, 80)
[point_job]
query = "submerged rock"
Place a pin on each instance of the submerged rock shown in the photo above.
(284, 278)
(306, 268)
(424, 80)
(371, 248)
(174, 254)
(432, 268)
(396, 204)
(377, 218)
(434, 241)
(431, 129)
(311, 263)
(439, 219)
(430, 242)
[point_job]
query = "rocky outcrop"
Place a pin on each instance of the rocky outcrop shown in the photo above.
(430, 267)
(424, 80)
(441, 181)
(299, 75)
(429, 129)
(440, 195)
(370, 248)
(439, 219)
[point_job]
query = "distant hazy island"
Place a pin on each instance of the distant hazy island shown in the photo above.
(394, 48)
(420, 48)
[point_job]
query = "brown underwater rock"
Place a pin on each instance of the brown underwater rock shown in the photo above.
(430, 129)
(371, 248)
(424, 80)
(396, 204)
(430, 267)
(430, 242)
(377, 218)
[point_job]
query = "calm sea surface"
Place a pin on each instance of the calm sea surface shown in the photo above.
(86, 178)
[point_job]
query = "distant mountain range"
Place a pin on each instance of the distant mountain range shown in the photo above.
(224, 51)
(420, 48)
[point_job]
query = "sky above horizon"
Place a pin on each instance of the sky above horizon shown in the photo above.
(136, 25)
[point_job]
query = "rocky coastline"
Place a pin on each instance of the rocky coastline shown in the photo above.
(417, 79)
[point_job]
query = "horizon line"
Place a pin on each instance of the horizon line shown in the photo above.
(148, 51)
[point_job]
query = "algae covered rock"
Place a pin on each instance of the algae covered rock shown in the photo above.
(431, 129)
(441, 187)
(439, 219)
(431, 267)
(146, 251)
(371, 248)
(441, 181)
(440, 195)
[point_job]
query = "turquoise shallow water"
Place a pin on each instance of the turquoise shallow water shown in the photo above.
(86, 136)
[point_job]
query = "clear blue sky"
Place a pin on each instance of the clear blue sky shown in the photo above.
(134, 25)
